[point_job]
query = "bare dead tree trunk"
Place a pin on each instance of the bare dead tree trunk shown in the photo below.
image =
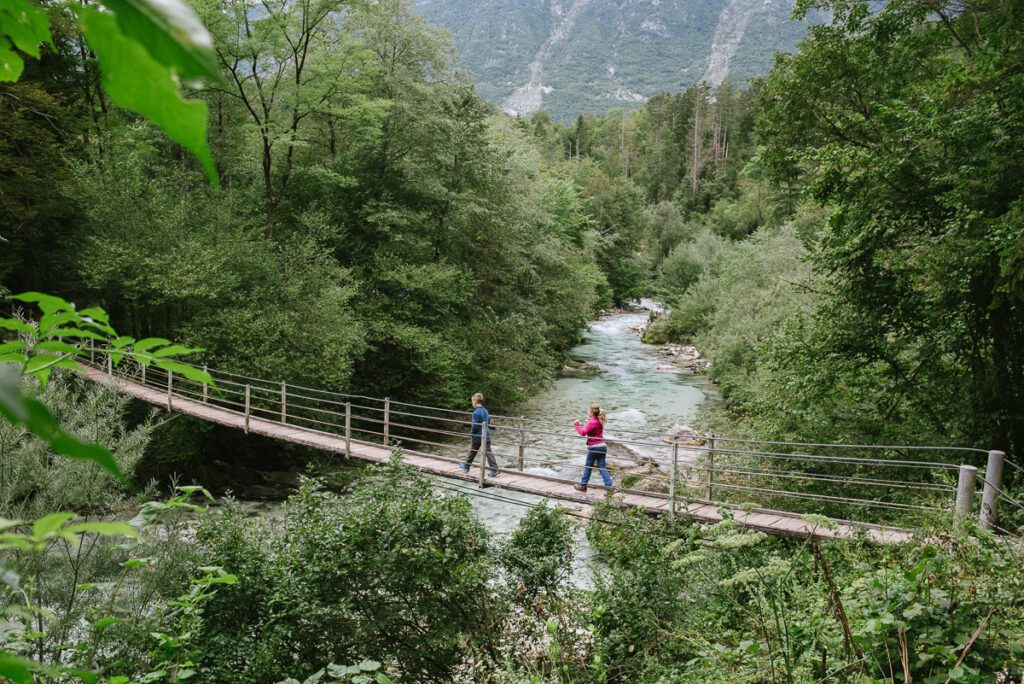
(696, 161)
(622, 145)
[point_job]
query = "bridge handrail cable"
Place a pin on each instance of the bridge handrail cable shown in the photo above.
(274, 401)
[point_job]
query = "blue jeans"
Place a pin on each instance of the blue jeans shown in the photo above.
(596, 456)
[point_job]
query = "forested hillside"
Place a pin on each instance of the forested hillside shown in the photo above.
(312, 191)
(841, 239)
(376, 226)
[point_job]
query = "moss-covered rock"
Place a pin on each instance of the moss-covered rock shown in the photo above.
(656, 331)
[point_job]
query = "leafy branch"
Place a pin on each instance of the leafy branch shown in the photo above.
(41, 347)
(147, 49)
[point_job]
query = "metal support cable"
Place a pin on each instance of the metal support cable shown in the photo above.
(1013, 465)
(850, 460)
(853, 446)
(827, 478)
(825, 497)
(1002, 494)
(445, 420)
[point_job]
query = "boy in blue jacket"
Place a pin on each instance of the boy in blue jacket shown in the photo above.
(481, 418)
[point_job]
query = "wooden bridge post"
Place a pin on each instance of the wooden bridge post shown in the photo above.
(675, 474)
(110, 367)
(284, 402)
(205, 372)
(387, 419)
(143, 367)
(711, 467)
(965, 490)
(522, 441)
(482, 451)
(170, 384)
(993, 483)
(348, 429)
(248, 392)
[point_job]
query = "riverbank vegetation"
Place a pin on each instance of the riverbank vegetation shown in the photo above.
(397, 581)
(842, 240)
(379, 228)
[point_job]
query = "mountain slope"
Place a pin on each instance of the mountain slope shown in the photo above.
(569, 56)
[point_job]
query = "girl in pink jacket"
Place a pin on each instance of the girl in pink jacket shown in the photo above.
(597, 450)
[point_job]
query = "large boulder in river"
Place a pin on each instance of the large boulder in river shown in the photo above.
(683, 435)
(626, 452)
(579, 369)
(656, 331)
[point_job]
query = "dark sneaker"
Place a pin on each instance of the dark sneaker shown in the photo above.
(464, 466)
(493, 472)
(580, 487)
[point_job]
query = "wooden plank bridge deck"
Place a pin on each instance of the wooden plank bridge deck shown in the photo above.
(773, 522)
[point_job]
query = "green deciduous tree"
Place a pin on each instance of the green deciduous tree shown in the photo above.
(907, 119)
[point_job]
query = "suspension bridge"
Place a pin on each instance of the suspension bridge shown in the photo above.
(765, 486)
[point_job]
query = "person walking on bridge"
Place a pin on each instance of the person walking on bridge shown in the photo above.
(481, 422)
(597, 450)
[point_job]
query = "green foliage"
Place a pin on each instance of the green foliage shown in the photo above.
(617, 209)
(41, 349)
(668, 229)
(78, 596)
(538, 555)
(350, 575)
(175, 650)
(23, 26)
(346, 674)
(724, 604)
(760, 283)
(690, 259)
(26, 412)
(145, 49)
(928, 609)
(36, 140)
(900, 122)
(34, 480)
(139, 83)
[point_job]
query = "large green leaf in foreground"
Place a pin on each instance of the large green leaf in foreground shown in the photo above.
(171, 33)
(136, 81)
(23, 25)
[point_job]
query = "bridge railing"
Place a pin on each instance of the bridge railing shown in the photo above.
(877, 483)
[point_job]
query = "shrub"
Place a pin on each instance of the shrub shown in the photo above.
(537, 557)
(33, 481)
(392, 570)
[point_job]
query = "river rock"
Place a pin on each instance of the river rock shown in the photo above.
(683, 435)
(261, 492)
(286, 479)
(576, 369)
(626, 454)
(684, 356)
